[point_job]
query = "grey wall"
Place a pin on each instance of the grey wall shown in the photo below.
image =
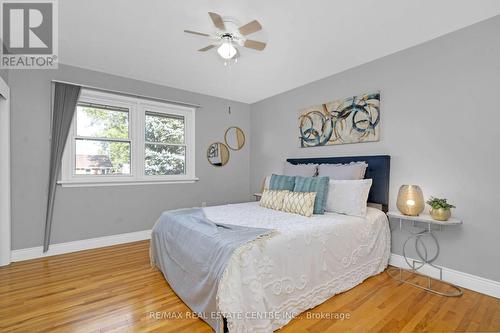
(4, 74)
(440, 119)
(439, 124)
(82, 213)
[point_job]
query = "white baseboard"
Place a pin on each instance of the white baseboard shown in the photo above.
(80, 245)
(469, 281)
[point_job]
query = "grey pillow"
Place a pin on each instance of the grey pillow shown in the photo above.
(351, 171)
(303, 170)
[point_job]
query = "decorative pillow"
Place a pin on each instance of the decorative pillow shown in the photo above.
(348, 196)
(280, 182)
(314, 184)
(273, 199)
(299, 203)
(266, 183)
(304, 170)
(351, 171)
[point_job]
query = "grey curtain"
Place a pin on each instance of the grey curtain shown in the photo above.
(65, 98)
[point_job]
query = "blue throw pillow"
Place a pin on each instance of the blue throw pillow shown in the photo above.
(314, 184)
(280, 182)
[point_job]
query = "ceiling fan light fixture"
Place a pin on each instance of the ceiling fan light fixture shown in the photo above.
(225, 38)
(227, 50)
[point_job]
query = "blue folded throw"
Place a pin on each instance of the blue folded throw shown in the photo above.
(192, 252)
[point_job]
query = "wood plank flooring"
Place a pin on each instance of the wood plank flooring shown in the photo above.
(114, 289)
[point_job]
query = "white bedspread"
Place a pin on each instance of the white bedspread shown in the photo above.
(268, 282)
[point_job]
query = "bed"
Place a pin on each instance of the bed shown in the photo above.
(269, 281)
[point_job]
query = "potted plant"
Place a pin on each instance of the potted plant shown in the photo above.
(440, 209)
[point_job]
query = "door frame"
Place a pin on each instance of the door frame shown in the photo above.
(5, 199)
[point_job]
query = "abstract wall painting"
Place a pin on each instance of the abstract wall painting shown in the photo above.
(351, 120)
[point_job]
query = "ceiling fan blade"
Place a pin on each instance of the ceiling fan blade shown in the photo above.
(206, 48)
(250, 28)
(196, 33)
(217, 20)
(254, 44)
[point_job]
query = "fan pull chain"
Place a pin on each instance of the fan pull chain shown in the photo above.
(227, 63)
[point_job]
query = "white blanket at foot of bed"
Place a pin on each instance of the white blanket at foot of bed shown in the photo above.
(267, 283)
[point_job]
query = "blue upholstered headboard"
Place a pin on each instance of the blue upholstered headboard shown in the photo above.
(379, 168)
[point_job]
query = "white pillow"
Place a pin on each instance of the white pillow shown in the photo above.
(267, 183)
(304, 170)
(351, 171)
(348, 196)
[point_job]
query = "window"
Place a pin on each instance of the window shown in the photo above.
(102, 142)
(117, 139)
(165, 147)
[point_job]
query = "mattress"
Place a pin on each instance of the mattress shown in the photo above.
(268, 282)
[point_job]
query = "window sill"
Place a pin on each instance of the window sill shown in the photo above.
(99, 183)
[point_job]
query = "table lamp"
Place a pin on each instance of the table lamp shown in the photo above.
(410, 200)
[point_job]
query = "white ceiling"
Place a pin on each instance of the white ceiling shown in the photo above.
(307, 40)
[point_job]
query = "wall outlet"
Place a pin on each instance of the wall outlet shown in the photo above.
(203, 204)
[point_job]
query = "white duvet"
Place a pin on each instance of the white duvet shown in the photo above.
(268, 282)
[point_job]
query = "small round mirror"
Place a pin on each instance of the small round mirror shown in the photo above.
(235, 138)
(218, 154)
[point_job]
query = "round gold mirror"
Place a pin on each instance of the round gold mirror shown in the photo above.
(235, 138)
(218, 154)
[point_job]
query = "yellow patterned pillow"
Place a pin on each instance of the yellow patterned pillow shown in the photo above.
(299, 203)
(273, 199)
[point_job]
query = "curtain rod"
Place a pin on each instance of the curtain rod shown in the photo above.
(129, 94)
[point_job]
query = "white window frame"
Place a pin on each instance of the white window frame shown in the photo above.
(137, 114)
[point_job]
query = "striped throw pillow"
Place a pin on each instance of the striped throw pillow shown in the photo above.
(273, 199)
(299, 203)
(314, 184)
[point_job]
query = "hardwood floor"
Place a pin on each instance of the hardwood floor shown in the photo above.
(114, 289)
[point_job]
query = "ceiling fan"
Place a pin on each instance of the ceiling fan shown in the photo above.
(228, 35)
